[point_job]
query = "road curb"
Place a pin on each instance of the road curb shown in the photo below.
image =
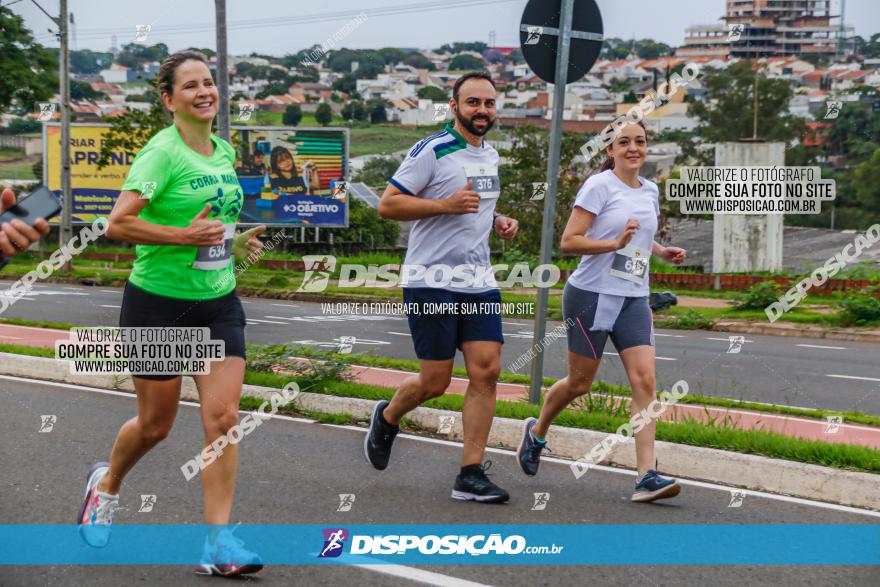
(705, 464)
(794, 330)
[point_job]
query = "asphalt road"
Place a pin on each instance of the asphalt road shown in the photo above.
(804, 372)
(291, 472)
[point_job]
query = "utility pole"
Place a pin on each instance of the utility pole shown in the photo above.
(222, 71)
(66, 232)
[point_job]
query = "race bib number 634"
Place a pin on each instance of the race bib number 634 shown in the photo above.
(212, 258)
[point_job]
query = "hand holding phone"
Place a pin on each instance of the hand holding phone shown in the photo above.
(22, 223)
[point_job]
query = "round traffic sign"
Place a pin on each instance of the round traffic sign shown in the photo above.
(539, 36)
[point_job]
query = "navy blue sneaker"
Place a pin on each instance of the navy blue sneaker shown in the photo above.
(379, 438)
(529, 452)
(472, 484)
(652, 486)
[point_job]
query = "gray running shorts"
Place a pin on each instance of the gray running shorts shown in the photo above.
(634, 325)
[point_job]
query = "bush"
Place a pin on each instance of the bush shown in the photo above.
(323, 114)
(24, 125)
(311, 373)
(759, 296)
(860, 308)
(278, 281)
(690, 320)
(292, 115)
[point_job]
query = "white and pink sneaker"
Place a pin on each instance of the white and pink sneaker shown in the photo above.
(96, 514)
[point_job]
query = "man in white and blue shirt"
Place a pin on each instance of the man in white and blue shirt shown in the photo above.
(448, 186)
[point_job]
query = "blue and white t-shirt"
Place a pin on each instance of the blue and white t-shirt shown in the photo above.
(623, 272)
(437, 167)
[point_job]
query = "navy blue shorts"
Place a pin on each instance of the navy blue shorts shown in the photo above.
(440, 320)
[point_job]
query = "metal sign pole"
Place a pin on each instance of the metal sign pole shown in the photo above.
(66, 226)
(562, 52)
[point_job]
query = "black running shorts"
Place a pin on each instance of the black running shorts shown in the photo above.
(223, 315)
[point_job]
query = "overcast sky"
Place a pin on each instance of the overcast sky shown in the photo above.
(269, 26)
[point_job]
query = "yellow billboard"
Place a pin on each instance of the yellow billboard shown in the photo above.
(94, 190)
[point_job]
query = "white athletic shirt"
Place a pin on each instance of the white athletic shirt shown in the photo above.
(437, 167)
(623, 272)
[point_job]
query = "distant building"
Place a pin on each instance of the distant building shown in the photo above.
(768, 28)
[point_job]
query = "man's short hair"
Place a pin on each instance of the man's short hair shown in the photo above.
(470, 75)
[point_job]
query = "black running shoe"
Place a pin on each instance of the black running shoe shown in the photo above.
(529, 452)
(379, 438)
(474, 485)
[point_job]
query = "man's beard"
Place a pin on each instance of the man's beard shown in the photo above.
(469, 124)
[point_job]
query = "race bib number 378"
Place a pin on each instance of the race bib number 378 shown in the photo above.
(212, 258)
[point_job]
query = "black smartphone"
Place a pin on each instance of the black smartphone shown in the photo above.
(40, 203)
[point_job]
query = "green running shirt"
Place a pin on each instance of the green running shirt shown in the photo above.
(179, 182)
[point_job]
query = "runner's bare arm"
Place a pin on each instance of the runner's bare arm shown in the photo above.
(575, 240)
(396, 205)
(126, 226)
(675, 255)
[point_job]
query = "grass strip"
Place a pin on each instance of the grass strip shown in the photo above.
(712, 435)
(715, 434)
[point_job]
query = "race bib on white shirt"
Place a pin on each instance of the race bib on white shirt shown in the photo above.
(631, 263)
(485, 180)
(213, 258)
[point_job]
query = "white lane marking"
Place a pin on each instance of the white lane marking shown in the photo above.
(420, 575)
(246, 302)
(511, 453)
(284, 305)
(336, 344)
(400, 333)
(113, 291)
(72, 288)
(280, 317)
(265, 321)
(726, 339)
(669, 335)
(853, 377)
(511, 323)
(657, 358)
(819, 346)
(109, 306)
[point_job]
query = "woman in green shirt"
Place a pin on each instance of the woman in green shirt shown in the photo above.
(179, 204)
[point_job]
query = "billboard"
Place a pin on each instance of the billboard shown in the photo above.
(288, 176)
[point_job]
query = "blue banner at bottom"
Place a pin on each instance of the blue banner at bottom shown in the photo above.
(634, 544)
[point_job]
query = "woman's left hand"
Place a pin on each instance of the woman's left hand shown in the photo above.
(506, 228)
(674, 255)
(247, 244)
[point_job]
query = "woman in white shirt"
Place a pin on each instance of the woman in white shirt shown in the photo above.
(612, 226)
